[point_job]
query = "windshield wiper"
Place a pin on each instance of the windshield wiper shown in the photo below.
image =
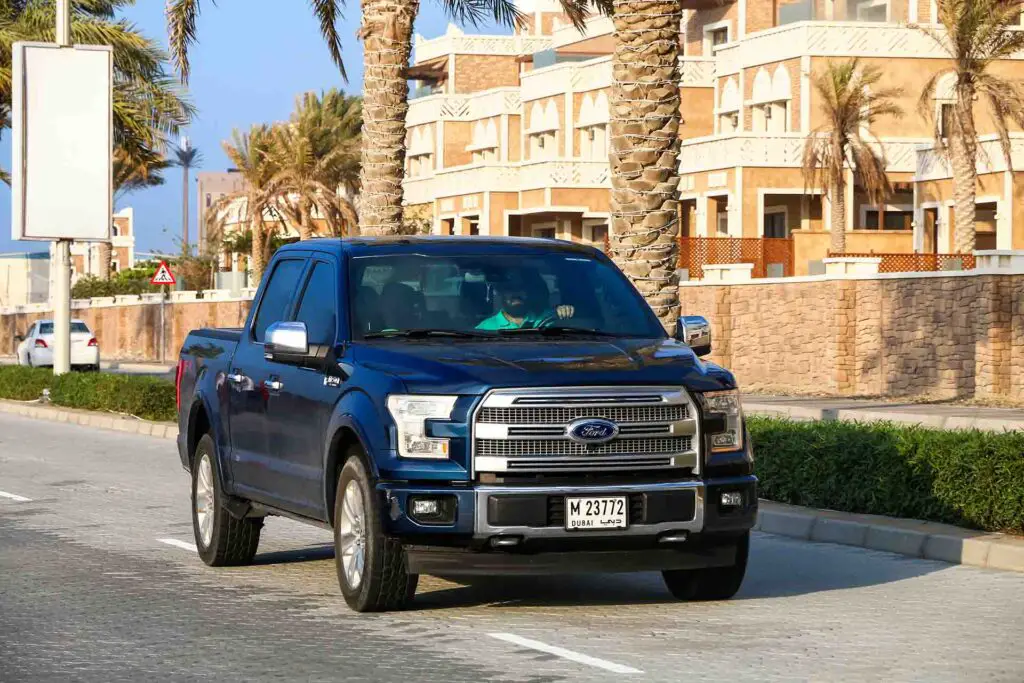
(419, 333)
(554, 330)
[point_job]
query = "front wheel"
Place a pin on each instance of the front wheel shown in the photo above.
(713, 583)
(221, 539)
(371, 567)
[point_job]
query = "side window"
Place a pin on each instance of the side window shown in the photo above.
(318, 308)
(274, 305)
(31, 331)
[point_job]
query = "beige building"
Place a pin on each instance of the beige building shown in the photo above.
(509, 135)
(85, 256)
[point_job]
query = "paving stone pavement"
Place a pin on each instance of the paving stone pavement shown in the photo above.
(88, 593)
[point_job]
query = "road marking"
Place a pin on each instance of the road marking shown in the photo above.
(16, 499)
(566, 654)
(184, 545)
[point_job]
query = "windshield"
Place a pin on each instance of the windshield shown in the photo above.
(495, 296)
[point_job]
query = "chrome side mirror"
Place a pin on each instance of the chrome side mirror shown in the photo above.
(695, 332)
(286, 342)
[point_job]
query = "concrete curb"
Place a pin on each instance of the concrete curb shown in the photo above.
(909, 537)
(808, 413)
(108, 421)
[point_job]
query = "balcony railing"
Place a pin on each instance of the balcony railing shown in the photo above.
(917, 263)
(771, 256)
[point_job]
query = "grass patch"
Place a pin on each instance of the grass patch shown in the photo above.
(149, 398)
(969, 478)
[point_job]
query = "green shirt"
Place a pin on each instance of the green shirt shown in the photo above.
(498, 321)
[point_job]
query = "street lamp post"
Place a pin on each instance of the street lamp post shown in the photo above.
(62, 253)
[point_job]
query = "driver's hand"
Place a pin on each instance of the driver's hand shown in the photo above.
(565, 311)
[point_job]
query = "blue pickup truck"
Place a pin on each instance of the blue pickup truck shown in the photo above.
(466, 405)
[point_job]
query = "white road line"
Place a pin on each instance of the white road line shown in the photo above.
(566, 654)
(16, 499)
(184, 545)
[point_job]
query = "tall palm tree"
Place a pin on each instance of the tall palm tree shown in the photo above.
(186, 157)
(149, 105)
(386, 32)
(850, 102)
(251, 153)
(317, 154)
(977, 34)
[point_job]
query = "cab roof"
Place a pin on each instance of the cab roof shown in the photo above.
(437, 245)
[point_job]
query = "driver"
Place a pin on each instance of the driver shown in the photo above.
(523, 307)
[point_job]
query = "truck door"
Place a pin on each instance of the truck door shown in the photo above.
(300, 409)
(251, 465)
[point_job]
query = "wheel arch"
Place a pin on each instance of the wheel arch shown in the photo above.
(346, 433)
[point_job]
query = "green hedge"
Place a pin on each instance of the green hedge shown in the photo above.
(970, 478)
(150, 398)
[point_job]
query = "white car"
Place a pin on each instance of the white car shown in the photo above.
(36, 347)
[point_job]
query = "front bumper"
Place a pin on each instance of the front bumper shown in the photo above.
(533, 516)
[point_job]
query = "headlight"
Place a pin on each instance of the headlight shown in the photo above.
(726, 404)
(410, 414)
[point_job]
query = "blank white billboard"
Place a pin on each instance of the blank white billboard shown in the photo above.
(62, 139)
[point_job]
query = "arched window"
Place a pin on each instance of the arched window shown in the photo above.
(420, 152)
(945, 98)
(484, 144)
(543, 131)
(729, 107)
(770, 101)
(592, 124)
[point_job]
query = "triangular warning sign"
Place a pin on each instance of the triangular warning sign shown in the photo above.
(163, 275)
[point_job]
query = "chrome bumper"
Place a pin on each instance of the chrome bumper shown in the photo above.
(482, 529)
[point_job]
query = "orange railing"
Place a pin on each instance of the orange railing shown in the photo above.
(917, 263)
(697, 252)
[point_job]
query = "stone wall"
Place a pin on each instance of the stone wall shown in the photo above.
(929, 335)
(132, 331)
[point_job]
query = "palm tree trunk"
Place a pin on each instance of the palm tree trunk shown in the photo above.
(256, 256)
(106, 253)
(387, 42)
(963, 158)
(644, 112)
(838, 202)
(305, 219)
(184, 210)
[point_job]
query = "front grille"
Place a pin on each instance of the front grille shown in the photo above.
(563, 447)
(564, 415)
(527, 431)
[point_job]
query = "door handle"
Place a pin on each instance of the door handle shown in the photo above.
(236, 378)
(274, 384)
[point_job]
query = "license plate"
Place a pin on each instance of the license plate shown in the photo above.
(594, 513)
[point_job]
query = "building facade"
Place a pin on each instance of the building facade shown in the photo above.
(508, 135)
(87, 259)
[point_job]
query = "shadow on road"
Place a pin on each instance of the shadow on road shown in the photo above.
(307, 554)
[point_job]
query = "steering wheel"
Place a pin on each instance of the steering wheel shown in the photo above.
(546, 321)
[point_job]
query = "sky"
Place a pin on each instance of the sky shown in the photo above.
(253, 58)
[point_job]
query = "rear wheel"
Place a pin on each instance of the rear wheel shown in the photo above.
(713, 583)
(371, 567)
(221, 539)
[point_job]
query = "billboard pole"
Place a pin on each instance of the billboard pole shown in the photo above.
(62, 253)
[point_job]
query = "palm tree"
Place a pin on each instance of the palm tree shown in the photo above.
(387, 44)
(251, 153)
(186, 157)
(148, 103)
(850, 102)
(131, 173)
(317, 155)
(977, 34)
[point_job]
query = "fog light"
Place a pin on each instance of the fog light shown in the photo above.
(433, 509)
(732, 499)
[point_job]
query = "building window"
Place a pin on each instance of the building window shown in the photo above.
(945, 119)
(775, 223)
(209, 200)
(545, 233)
(718, 36)
(114, 231)
(895, 219)
(473, 227)
(867, 10)
(420, 165)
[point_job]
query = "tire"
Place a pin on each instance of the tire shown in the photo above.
(221, 539)
(378, 582)
(713, 583)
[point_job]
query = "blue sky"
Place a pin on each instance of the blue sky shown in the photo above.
(253, 58)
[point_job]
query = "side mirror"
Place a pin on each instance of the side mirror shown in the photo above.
(286, 342)
(695, 332)
(19, 338)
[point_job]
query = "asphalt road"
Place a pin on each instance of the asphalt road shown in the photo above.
(97, 583)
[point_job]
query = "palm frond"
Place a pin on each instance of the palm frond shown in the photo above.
(181, 32)
(328, 13)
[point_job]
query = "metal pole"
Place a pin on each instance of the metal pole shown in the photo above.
(61, 296)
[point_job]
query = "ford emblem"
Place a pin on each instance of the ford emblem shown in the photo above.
(592, 430)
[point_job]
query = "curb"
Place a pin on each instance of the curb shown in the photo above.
(808, 413)
(913, 538)
(88, 418)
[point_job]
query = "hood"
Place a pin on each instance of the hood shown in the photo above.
(461, 367)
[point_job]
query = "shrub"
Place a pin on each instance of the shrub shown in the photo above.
(149, 398)
(23, 384)
(970, 478)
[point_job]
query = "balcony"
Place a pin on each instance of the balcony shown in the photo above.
(468, 107)
(454, 41)
(934, 165)
(771, 257)
(559, 79)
